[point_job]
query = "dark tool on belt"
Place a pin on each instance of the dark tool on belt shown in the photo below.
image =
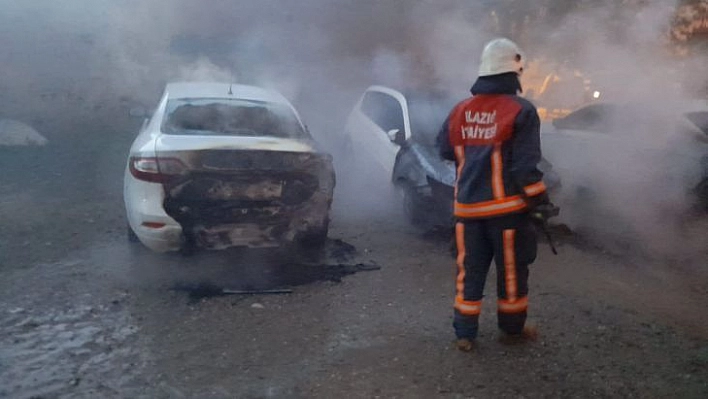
(540, 215)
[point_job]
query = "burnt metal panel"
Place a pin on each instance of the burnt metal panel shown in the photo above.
(254, 198)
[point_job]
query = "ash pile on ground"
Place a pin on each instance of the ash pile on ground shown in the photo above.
(278, 276)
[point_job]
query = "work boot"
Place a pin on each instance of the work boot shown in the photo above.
(528, 334)
(465, 344)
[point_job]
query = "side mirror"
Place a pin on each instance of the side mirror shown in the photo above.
(396, 136)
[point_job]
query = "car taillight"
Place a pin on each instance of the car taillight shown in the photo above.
(155, 170)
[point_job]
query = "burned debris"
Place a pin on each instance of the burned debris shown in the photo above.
(272, 196)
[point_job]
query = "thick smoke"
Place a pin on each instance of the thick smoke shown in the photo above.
(322, 54)
(632, 186)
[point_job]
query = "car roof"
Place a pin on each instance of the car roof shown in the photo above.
(177, 90)
(412, 93)
(697, 105)
(677, 107)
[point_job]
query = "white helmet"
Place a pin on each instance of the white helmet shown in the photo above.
(501, 56)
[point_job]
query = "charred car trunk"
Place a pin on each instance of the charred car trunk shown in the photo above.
(251, 198)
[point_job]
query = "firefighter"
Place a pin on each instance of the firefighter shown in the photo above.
(494, 139)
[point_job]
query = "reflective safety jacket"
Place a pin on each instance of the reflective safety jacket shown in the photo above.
(494, 138)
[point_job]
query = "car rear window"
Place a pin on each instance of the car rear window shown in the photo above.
(700, 119)
(224, 117)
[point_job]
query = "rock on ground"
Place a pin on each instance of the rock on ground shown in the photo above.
(16, 133)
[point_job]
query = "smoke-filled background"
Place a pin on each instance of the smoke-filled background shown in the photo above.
(69, 67)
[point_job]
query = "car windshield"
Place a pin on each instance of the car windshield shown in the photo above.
(228, 117)
(427, 114)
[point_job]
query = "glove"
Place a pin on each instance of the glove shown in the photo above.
(544, 211)
(542, 208)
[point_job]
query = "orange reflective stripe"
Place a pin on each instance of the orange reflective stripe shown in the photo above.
(518, 306)
(497, 173)
(509, 264)
(535, 189)
(461, 253)
(469, 308)
(490, 208)
(460, 157)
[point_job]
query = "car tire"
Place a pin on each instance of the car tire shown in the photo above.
(701, 192)
(132, 237)
(413, 206)
(310, 245)
(314, 239)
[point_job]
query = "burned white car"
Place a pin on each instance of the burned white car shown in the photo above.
(397, 132)
(220, 165)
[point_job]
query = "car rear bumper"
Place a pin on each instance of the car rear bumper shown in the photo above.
(147, 218)
(164, 239)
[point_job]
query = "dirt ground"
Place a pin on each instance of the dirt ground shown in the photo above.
(86, 314)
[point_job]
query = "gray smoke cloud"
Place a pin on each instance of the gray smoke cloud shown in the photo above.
(322, 54)
(632, 188)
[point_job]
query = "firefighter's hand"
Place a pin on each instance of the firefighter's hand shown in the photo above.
(542, 212)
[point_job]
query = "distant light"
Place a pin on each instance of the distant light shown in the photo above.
(596, 94)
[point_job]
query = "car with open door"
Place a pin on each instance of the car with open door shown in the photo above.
(220, 165)
(376, 128)
(397, 131)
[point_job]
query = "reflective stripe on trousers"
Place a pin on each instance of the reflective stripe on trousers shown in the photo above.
(511, 242)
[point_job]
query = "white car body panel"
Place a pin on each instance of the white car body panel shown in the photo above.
(143, 203)
(371, 142)
(374, 147)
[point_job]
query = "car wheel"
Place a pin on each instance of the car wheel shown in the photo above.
(413, 206)
(310, 245)
(701, 191)
(132, 237)
(314, 238)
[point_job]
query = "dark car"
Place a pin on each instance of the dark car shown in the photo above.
(612, 144)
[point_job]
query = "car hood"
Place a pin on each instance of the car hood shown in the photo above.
(434, 166)
(167, 142)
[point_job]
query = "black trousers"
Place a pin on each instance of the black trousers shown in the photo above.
(510, 241)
